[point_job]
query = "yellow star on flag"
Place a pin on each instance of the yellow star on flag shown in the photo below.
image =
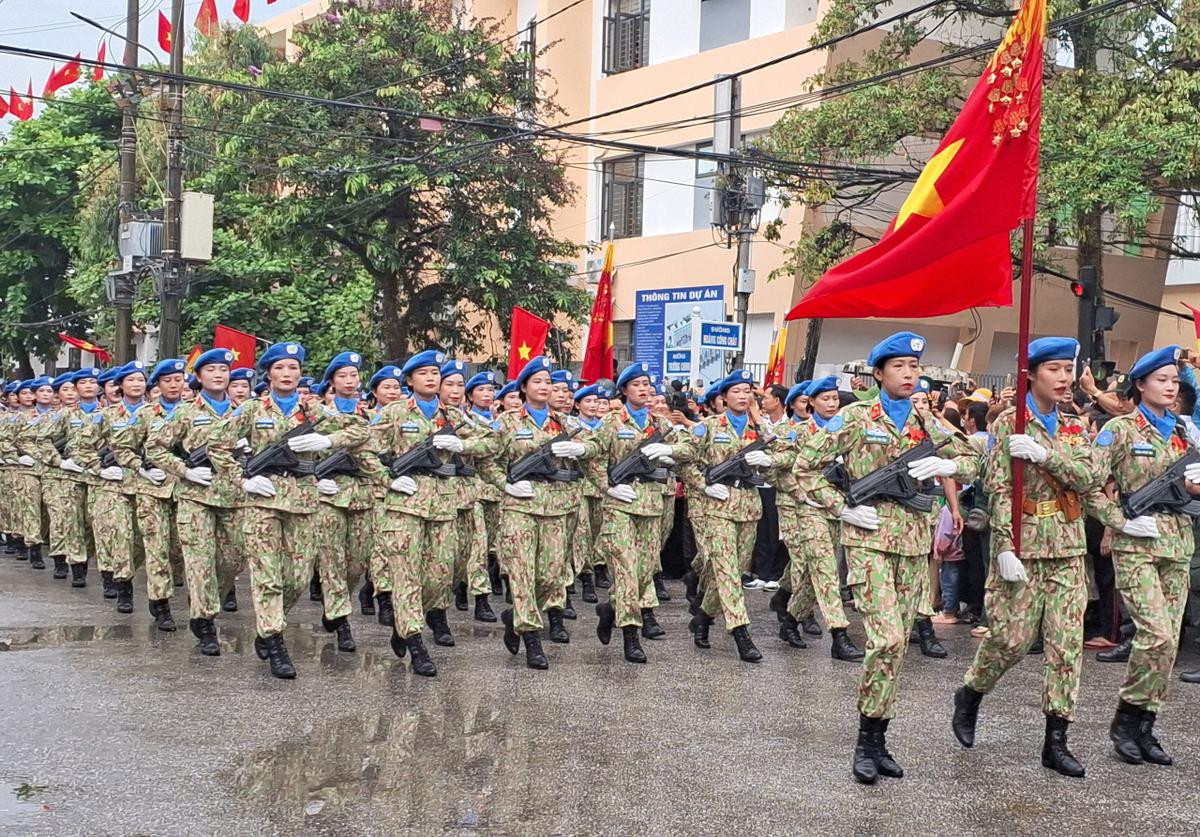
(924, 199)
(236, 354)
(524, 350)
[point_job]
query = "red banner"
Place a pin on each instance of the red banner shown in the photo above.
(239, 342)
(100, 352)
(598, 358)
(526, 340)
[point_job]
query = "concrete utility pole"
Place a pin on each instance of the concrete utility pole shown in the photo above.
(123, 309)
(172, 280)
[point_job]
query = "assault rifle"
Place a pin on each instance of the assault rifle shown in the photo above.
(423, 459)
(277, 459)
(539, 464)
(637, 467)
(1165, 493)
(337, 464)
(195, 458)
(60, 445)
(109, 460)
(892, 483)
(733, 470)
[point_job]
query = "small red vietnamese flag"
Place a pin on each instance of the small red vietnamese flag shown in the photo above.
(241, 10)
(164, 33)
(60, 78)
(100, 352)
(3, 106)
(98, 72)
(239, 342)
(949, 247)
(21, 108)
(207, 22)
(526, 340)
(598, 357)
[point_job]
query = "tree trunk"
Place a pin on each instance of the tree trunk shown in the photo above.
(812, 342)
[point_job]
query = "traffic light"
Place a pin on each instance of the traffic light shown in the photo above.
(1095, 318)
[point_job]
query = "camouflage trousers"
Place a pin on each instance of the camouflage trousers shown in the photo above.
(588, 553)
(378, 570)
(535, 548)
(346, 544)
(209, 538)
(666, 525)
(115, 527)
(6, 493)
(1155, 591)
(885, 587)
(727, 547)
(623, 542)
(470, 560)
(26, 504)
(65, 500)
(812, 574)
(412, 545)
(280, 549)
(568, 545)
(1055, 597)
(161, 545)
(925, 608)
(491, 525)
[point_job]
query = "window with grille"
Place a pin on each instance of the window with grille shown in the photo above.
(626, 35)
(622, 197)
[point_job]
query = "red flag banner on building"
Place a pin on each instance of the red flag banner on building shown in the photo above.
(99, 352)
(241, 10)
(208, 23)
(948, 248)
(18, 107)
(526, 340)
(239, 342)
(61, 77)
(164, 33)
(98, 72)
(1195, 321)
(775, 359)
(598, 357)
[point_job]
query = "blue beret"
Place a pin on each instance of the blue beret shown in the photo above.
(65, 378)
(322, 388)
(1053, 348)
(260, 387)
(170, 366)
(922, 385)
(192, 381)
(387, 373)
(454, 367)
(541, 363)
(632, 371)
(213, 356)
(511, 386)
(11, 387)
(561, 376)
(87, 372)
(591, 389)
(107, 375)
(341, 362)
(281, 351)
(1153, 361)
(480, 379)
(429, 357)
(41, 381)
(737, 376)
(306, 381)
(244, 373)
(829, 382)
(795, 392)
(900, 344)
(804, 385)
(122, 372)
(712, 392)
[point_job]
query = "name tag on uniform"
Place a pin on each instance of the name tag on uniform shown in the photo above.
(97, 418)
(523, 434)
(876, 437)
(77, 422)
(201, 420)
(120, 424)
(1142, 449)
(720, 437)
(624, 434)
(264, 424)
(410, 427)
(158, 425)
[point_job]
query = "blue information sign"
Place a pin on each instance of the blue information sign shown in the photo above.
(724, 336)
(663, 321)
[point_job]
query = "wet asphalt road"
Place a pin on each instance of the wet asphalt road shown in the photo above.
(112, 728)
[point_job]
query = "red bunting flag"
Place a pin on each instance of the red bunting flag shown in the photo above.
(598, 357)
(526, 340)
(241, 10)
(239, 342)
(100, 352)
(164, 33)
(21, 108)
(3, 107)
(60, 78)
(98, 72)
(207, 22)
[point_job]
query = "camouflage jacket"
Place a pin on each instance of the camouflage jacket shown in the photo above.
(98, 434)
(595, 480)
(77, 421)
(52, 429)
(1134, 453)
(519, 434)
(351, 432)
(865, 437)
(783, 457)
(26, 433)
(618, 436)
(711, 442)
(1070, 462)
(8, 446)
(189, 427)
(129, 447)
(472, 489)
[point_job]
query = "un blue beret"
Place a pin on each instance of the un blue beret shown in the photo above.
(429, 357)
(244, 373)
(11, 387)
(322, 388)
(560, 376)
(511, 386)
(922, 385)
(131, 368)
(1153, 361)
(737, 376)
(87, 372)
(795, 392)
(306, 382)
(712, 392)
(170, 366)
(213, 356)
(632, 371)
(340, 362)
(1053, 348)
(107, 375)
(65, 378)
(454, 367)
(26, 384)
(541, 363)
(900, 344)
(40, 381)
(387, 373)
(591, 389)
(829, 382)
(281, 351)
(260, 387)
(481, 379)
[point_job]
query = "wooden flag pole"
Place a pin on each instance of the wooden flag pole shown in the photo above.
(1018, 465)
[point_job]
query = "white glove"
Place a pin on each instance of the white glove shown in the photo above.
(155, 475)
(864, 517)
(657, 450)
(717, 492)
(444, 441)
(522, 490)
(665, 461)
(1011, 568)
(1141, 527)
(200, 476)
(932, 466)
(568, 450)
(623, 492)
(310, 443)
(404, 485)
(113, 473)
(69, 465)
(26, 460)
(327, 487)
(1024, 447)
(1192, 473)
(260, 485)
(242, 444)
(758, 459)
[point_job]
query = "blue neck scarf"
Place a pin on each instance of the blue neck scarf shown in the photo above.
(487, 414)
(133, 408)
(737, 422)
(218, 407)
(1165, 425)
(428, 408)
(287, 403)
(345, 405)
(898, 409)
(820, 421)
(89, 407)
(590, 423)
(40, 410)
(1049, 420)
(539, 416)
(638, 416)
(168, 406)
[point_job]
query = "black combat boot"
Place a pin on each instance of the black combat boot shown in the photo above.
(557, 633)
(1055, 754)
(1124, 732)
(568, 610)
(633, 648)
(660, 588)
(863, 766)
(483, 609)
(1117, 654)
(588, 582)
(366, 599)
(281, 663)
(345, 639)
(493, 567)
(421, 662)
(160, 609)
(842, 648)
(534, 658)
(607, 618)
(315, 593)
(650, 627)
(124, 595)
(512, 640)
(260, 648)
(35, 557)
(230, 604)
(966, 714)
(787, 632)
(691, 585)
(810, 625)
(460, 596)
(930, 646)
(1152, 751)
(507, 589)
(1038, 646)
(436, 620)
(745, 645)
(10, 544)
(779, 602)
(699, 626)
(386, 615)
(206, 633)
(22, 550)
(79, 575)
(883, 759)
(399, 644)
(60, 566)
(602, 580)
(110, 588)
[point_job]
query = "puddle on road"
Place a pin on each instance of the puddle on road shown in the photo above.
(20, 801)
(20, 639)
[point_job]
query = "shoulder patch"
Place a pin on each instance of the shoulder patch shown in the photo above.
(201, 420)
(699, 430)
(264, 423)
(835, 424)
(523, 433)
(791, 437)
(495, 425)
(97, 418)
(158, 425)
(1104, 438)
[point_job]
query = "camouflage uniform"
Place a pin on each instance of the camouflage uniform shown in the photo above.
(884, 565)
(278, 532)
(209, 537)
(1052, 549)
(590, 517)
(470, 562)
(377, 565)
(27, 482)
(1152, 573)
(115, 522)
(83, 490)
(59, 491)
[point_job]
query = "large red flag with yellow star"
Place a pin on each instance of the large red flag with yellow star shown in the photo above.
(948, 248)
(527, 339)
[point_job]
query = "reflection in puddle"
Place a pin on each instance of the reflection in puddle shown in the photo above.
(17, 639)
(19, 801)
